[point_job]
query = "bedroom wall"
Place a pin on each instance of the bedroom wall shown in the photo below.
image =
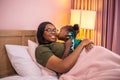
(27, 14)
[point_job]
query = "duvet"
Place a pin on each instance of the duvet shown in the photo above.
(97, 64)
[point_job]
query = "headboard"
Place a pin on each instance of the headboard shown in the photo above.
(19, 37)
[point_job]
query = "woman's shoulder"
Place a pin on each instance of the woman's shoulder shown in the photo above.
(41, 47)
(57, 44)
(51, 44)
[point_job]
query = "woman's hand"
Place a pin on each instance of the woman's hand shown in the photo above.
(88, 44)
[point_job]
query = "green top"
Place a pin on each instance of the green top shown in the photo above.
(44, 52)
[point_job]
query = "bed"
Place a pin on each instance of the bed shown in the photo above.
(18, 37)
(18, 64)
(91, 66)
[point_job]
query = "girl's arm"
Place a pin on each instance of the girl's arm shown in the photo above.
(68, 44)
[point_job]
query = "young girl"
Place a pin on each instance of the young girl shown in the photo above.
(69, 32)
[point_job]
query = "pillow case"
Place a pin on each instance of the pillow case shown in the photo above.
(21, 61)
(45, 71)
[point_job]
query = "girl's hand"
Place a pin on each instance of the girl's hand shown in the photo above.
(68, 43)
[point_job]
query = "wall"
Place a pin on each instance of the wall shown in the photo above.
(27, 14)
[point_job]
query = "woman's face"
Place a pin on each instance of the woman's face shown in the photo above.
(50, 33)
(63, 34)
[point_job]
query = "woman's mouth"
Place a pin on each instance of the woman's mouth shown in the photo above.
(53, 37)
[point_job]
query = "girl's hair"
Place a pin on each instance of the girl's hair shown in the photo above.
(74, 28)
(40, 32)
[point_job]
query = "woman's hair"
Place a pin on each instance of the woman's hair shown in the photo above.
(40, 32)
(74, 28)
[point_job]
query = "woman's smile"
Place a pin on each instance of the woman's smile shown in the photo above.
(50, 34)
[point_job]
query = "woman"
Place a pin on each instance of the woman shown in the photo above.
(98, 64)
(49, 52)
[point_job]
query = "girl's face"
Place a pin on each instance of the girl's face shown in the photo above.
(50, 33)
(63, 34)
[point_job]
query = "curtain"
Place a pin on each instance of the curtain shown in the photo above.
(116, 36)
(107, 28)
(94, 35)
(111, 25)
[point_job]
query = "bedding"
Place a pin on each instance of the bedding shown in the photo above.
(45, 71)
(17, 77)
(24, 65)
(97, 64)
(21, 61)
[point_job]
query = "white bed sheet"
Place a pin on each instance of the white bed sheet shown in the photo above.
(17, 77)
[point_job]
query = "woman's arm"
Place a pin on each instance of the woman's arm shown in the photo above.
(64, 65)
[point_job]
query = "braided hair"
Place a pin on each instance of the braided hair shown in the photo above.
(74, 28)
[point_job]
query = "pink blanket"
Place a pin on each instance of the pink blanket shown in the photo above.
(97, 64)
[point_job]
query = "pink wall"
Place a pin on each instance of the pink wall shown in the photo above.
(28, 14)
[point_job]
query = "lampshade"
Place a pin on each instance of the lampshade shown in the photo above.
(85, 18)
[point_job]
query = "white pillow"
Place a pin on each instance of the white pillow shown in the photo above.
(21, 61)
(31, 48)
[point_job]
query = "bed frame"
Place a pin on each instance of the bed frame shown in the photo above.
(19, 37)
